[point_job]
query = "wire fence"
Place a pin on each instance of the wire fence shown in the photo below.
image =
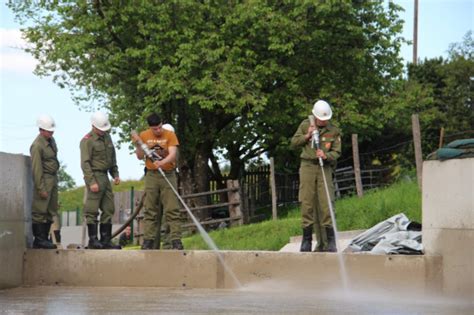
(379, 167)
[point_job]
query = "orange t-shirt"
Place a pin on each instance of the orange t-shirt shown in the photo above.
(165, 140)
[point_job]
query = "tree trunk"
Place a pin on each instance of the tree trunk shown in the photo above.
(201, 177)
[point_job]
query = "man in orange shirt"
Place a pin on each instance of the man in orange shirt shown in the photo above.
(165, 144)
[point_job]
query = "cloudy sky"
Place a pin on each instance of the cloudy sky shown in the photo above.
(24, 96)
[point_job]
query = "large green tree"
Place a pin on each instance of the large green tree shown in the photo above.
(441, 91)
(65, 181)
(451, 82)
(235, 77)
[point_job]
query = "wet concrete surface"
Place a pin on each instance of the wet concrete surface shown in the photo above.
(250, 300)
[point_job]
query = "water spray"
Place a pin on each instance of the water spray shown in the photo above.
(315, 145)
(155, 157)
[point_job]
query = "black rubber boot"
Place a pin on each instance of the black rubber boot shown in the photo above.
(106, 236)
(307, 239)
(148, 244)
(40, 232)
(331, 240)
(93, 240)
(57, 236)
(319, 249)
(176, 244)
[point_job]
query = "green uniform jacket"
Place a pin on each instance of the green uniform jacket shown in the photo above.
(329, 139)
(43, 160)
(97, 155)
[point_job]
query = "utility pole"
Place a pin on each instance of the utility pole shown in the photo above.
(415, 121)
(415, 34)
(273, 186)
(355, 157)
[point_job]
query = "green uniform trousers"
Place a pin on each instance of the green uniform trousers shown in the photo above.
(158, 191)
(312, 196)
(103, 200)
(43, 210)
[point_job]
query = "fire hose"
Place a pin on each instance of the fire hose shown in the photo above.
(131, 218)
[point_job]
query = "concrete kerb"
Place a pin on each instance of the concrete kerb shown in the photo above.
(202, 269)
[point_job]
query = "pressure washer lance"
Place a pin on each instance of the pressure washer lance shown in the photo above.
(207, 238)
(153, 156)
(315, 144)
(315, 139)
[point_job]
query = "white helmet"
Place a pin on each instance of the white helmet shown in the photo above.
(322, 110)
(168, 127)
(46, 122)
(100, 121)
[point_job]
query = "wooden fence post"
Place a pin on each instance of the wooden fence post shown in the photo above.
(355, 157)
(441, 137)
(235, 212)
(132, 205)
(417, 143)
(273, 186)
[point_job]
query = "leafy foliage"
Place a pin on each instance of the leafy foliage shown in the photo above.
(65, 181)
(234, 77)
(441, 92)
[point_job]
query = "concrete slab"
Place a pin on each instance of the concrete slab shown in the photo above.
(15, 216)
(322, 270)
(448, 221)
(121, 268)
(201, 269)
(256, 300)
(448, 194)
(343, 240)
(457, 249)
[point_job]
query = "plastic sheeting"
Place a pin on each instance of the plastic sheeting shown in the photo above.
(392, 236)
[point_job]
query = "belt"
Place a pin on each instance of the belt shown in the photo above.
(316, 162)
(100, 171)
(310, 161)
(156, 171)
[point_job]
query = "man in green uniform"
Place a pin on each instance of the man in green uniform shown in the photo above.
(312, 193)
(164, 144)
(45, 165)
(97, 161)
(164, 233)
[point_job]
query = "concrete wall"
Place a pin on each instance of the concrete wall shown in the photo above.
(15, 216)
(448, 221)
(202, 269)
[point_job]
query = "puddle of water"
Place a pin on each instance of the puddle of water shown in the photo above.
(257, 300)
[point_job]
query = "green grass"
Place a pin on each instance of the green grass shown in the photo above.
(250, 237)
(352, 213)
(379, 204)
(72, 199)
